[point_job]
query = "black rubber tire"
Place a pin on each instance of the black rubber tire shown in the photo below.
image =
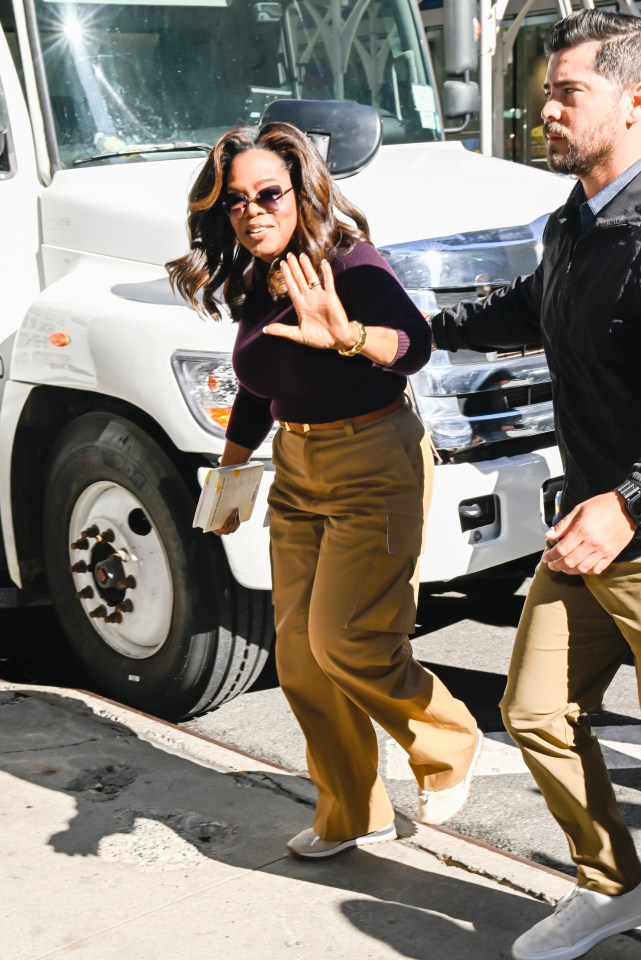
(220, 632)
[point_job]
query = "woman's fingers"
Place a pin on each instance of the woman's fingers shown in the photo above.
(293, 287)
(308, 272)
(299, 275)
(284, 330)
(230, 525)
(328, 277)
(292, 265)
(322, 322)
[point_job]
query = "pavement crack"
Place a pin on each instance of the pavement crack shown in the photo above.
(265, 782)
(47, 748)
(452, 861)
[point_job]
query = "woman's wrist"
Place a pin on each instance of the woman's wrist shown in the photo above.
(360, 343)
(234, 454)
(355, 337)
(351, 338)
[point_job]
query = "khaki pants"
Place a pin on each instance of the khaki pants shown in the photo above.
(347, 515)
(574, 634)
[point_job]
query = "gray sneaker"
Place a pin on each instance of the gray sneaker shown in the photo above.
(581, 919)
(437, 806)
(308, 844)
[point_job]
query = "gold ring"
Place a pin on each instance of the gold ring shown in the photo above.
(314, 283)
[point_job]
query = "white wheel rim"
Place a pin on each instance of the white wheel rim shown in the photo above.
(143, 630)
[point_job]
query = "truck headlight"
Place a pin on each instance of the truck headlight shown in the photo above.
(459, 263)
(209, 386)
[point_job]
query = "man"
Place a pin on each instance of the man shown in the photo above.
(583, 611)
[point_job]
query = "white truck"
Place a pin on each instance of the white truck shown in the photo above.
(114, 395)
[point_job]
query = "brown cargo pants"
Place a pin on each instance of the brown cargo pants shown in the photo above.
(347, 515)
(575, 632)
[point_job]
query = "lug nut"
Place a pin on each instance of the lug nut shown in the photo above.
(127, 583)
(81, 544)
(107, 536)
(91, 531)
(114, 618)
(126, 606)
(85, 594)
(79, 567)
(99, 612)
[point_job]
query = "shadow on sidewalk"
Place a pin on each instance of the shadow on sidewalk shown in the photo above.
(134, 803)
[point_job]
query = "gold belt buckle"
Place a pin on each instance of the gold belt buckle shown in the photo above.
(284, 423)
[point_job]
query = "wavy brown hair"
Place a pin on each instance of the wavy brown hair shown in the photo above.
(216, 259)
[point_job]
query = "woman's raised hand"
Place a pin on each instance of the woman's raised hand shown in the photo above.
(322, 321)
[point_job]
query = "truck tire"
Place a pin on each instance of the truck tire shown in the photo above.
(147, 602)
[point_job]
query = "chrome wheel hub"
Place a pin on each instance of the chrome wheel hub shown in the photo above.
(120, 570)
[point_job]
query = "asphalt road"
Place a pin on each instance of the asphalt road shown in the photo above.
(467, 642)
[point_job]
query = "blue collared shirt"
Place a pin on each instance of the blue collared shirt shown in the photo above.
(590, 209)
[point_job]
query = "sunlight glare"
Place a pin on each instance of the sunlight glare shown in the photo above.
(73, 29)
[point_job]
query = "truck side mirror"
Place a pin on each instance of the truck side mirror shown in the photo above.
(460, 98)
(460, 20)
(347, 134)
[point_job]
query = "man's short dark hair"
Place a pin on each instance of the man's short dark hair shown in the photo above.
(618, 59)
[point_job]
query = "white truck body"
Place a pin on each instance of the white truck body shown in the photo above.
(90, 324)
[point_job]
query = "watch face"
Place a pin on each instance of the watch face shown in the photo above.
(634, 508)
(632, 498)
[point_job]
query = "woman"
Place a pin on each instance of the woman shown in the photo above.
(326, 338)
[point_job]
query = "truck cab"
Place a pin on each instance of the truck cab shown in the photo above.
(114, 395)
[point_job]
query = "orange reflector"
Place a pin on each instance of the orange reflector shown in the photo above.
(220, 415)
(212, 382)
(59, 339)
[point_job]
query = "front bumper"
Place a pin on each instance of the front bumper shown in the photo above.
(515, 482)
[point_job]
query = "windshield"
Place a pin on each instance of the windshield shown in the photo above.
(126, 74)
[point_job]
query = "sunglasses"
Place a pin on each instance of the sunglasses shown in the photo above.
(268, 199)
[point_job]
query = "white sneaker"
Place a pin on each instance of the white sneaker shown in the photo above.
(308, 844)
(437, 806)
(581, 919)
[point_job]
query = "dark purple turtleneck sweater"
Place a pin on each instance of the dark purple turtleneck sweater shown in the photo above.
(282, 380)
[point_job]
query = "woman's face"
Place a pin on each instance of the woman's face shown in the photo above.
(265, 234)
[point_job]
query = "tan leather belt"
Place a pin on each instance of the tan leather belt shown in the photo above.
(360, 418)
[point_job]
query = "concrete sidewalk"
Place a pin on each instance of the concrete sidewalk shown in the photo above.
(125, 837)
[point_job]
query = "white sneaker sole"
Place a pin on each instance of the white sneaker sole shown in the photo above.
(582, 946)
(378, 836)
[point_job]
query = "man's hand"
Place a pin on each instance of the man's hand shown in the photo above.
(590, 537)
(428, 317)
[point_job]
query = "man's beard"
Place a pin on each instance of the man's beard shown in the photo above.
(582, 154)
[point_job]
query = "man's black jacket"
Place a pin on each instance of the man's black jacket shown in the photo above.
(584, 304)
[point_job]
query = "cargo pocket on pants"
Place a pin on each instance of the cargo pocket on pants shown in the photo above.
(385, 602)
(405, 535)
